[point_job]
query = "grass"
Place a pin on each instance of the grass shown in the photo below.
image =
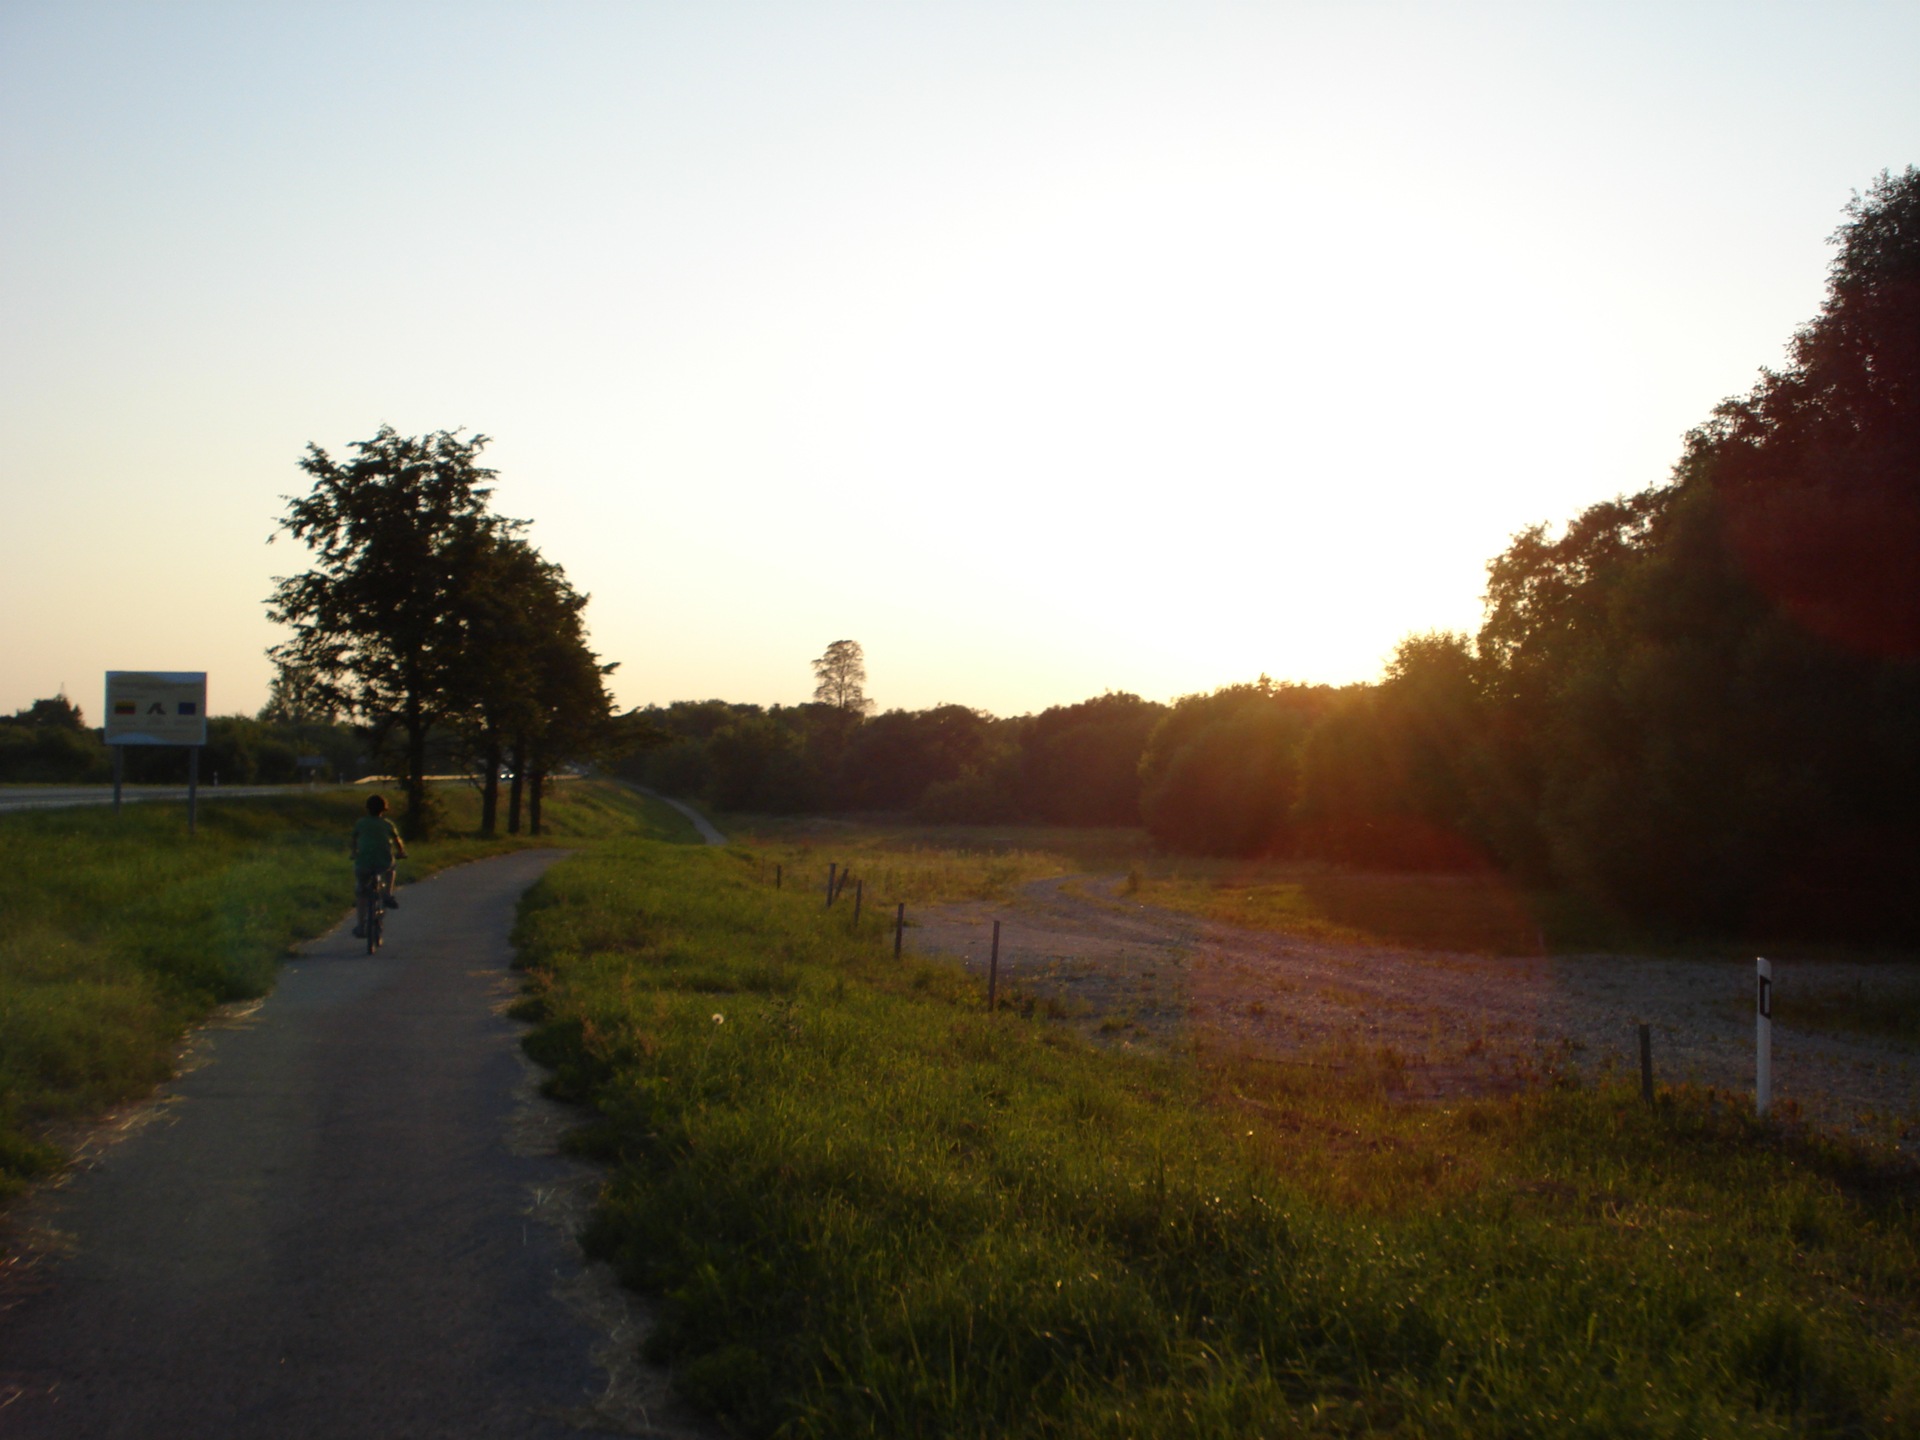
(116, 933)
(1474, 913)
(929, 864)
(933, 864)
(1889, 1012)
(868, 1207)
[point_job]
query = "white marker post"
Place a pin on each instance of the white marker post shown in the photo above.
(1762, 1038)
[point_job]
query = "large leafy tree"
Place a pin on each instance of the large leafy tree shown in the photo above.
(401, 533)
(1711, 688)
(1818, 467)
(569, 714)
(518, 598)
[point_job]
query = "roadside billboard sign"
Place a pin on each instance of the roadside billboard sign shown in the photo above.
(156, 707)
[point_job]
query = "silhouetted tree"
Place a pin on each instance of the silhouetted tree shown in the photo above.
(49, 742)
(1388, 775)
(1221, 772)
(57, 712)
(399, 532)
(296, 697)
(521, 604)
(1080, 764)
(842, 673)
(1710, 689)
(892, 759)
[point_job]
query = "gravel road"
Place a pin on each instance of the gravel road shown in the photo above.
(1452, 1024)
(345, 1219)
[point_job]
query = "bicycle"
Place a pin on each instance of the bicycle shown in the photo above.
(372, 908)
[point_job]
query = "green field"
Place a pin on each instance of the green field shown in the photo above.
(116, 933)
(867, 1207)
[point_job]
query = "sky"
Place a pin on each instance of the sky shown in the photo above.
(1044, 348)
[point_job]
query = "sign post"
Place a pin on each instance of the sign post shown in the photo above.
(158, 707)
(1762, 1038)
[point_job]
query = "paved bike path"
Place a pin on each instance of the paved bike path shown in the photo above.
(324, 1232)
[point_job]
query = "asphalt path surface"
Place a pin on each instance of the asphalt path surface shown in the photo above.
(323, 1229)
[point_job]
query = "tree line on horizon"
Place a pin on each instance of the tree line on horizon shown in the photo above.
(50, 742)
(1697, 705)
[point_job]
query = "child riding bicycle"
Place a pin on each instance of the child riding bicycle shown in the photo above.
(375, 844)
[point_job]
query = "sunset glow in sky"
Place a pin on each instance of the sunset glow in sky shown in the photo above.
(1044, 348)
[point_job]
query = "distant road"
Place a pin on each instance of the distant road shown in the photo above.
(59, 797)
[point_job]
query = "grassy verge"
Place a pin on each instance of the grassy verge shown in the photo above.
(870, 1208)
(930, 864)
(116, 933)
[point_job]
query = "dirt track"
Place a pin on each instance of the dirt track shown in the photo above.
(1447, 1024)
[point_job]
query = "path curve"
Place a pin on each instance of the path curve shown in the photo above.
(323, 1230)
(700, 822)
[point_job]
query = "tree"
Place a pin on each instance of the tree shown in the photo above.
(1221, 772)
(380, 624)
(1710, 689)
(1818, 466)
(893, 758)
(571, 716)
(519, 599)
(1080, 764)
(1391, 775)
(49, 741)
(842, 673)
(296, 697)
(58, 712)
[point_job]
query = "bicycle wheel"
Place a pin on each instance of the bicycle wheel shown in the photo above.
(375, 914)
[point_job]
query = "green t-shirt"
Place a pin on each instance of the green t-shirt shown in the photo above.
(374, 842)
